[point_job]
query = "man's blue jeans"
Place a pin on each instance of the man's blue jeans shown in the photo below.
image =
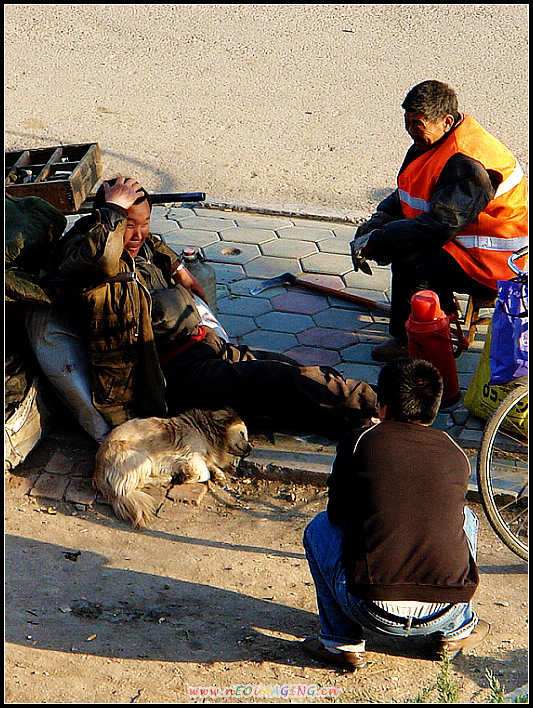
(343, 616)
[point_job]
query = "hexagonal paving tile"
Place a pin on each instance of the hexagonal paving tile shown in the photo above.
(214, 213)
(179, 213)
(328, 281)
(375, 295)
(263, 222)
(345, 232)
(340, 318)
(269, 267)
(243, 234)
(327, 263)
(162, 225)
(305, 233)
(327, 338)
(374, 333)
(299, 301)
(310, 356)
(247, 306)
(222, 291)
(243, 287)
(230, 252)
(358, 354)
(205, 223)
(360, 372)
(190, 237)
(335, 245)
(284, 322)
(379, 280)
(227, 272)
(468, 362)
(270, 341)
(235, 325)
(283, 248)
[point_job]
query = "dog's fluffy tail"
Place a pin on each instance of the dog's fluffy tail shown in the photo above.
(137, 507)
(119, 472)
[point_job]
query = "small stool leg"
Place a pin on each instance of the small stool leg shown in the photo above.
(471, 319)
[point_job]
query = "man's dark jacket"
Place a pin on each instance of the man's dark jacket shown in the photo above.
(463, 190)
(111, 303)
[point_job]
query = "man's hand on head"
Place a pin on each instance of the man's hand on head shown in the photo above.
(124, 193)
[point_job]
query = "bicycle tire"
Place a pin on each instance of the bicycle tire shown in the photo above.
(506, 508)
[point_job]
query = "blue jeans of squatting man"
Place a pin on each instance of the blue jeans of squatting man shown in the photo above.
(342, 615)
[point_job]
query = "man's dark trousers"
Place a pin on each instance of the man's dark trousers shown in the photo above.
(431, 269)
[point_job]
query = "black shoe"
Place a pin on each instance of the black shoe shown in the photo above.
(345, 659)
(452, 647)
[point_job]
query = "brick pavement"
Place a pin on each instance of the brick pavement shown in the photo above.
(244, 247)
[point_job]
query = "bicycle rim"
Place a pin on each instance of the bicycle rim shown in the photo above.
(502, 476)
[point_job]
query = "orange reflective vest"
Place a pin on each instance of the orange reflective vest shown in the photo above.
(483, 247)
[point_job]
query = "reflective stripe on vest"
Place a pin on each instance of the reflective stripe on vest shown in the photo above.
(514, 178)
(491, 243)
(413, 202)
(512, 181)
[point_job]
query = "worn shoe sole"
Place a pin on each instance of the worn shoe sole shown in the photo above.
(350, 661)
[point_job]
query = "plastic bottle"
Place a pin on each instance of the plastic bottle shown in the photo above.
(429, 337)
(194, 261)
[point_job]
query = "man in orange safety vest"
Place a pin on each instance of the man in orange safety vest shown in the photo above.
(459, 210)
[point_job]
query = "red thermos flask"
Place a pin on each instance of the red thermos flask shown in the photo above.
(429, 337)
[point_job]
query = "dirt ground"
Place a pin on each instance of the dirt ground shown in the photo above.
(219, 595)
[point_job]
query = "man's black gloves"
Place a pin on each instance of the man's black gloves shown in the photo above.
(358, 259)
(360, 247)
(376, 221)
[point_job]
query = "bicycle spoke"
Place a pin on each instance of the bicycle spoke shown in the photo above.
(503, 476)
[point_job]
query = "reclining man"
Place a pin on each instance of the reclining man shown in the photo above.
(395, 551)
(459, 211)
(148, 353)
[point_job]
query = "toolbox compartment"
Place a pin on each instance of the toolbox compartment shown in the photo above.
(63, 175)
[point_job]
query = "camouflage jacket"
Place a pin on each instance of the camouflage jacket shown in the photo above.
(111, 303)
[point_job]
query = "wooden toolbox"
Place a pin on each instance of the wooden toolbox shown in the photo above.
(63, 175)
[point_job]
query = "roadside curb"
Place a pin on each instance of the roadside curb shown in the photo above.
(294, 475)
(300, 211)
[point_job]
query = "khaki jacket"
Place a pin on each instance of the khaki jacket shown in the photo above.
(111, 302)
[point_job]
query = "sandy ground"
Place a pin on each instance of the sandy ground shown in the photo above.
(217, 596)
(283, 103)
(277, 103)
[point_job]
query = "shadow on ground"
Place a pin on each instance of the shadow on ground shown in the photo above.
(138, 615)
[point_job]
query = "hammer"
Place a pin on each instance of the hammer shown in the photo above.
(290, 279)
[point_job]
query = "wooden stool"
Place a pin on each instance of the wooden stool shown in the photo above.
(472, 320)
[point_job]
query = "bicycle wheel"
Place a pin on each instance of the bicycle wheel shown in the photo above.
(502, 475)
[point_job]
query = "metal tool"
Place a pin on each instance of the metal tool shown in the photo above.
(156, 198)
(291, 279)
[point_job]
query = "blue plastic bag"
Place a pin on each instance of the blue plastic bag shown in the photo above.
(509, 343)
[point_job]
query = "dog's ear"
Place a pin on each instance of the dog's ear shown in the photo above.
(225, 416)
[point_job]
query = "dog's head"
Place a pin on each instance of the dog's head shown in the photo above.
(232, 431)
(237, 439)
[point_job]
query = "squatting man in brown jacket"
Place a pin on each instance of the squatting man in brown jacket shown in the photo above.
(395, 551)
(149, 353)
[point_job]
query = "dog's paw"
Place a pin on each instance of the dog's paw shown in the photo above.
(217, 476)
(184, 477)
(188, 475)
